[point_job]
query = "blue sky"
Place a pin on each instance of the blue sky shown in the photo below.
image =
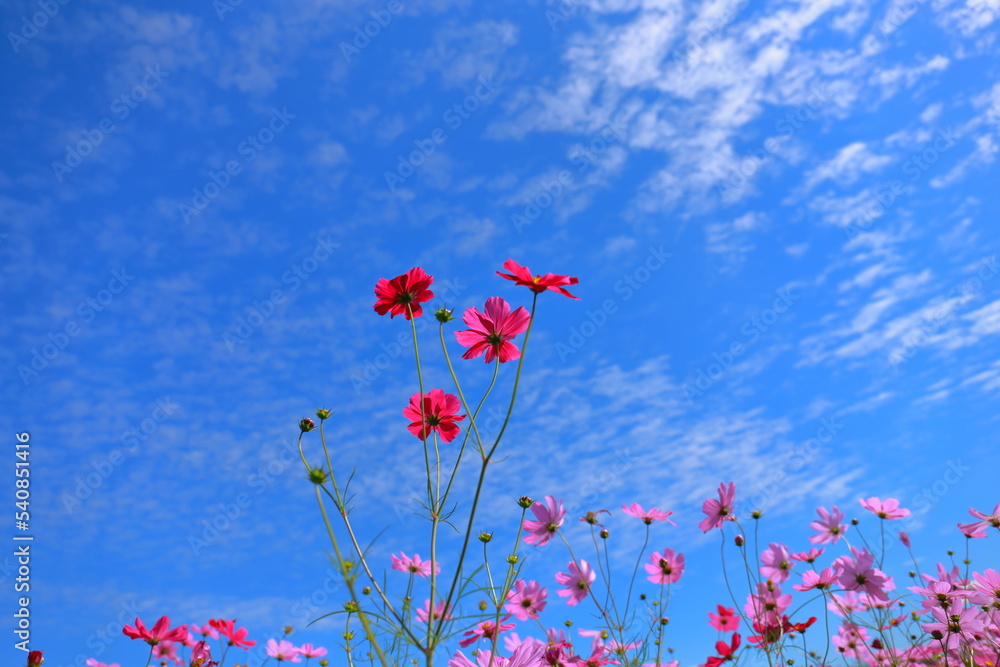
(782, 215)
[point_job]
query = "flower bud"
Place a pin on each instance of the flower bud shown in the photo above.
(482, 605)
(287, 629)
(854, 522)
(323, 413)
(739, 540)
(568, 623)
(324, 662)
(367, 590)
(317, 475)
(351, 606)
(307, 425)
(604, 533)
(443, 315)
(664, 620)
(485, 537)
(512, 559)
(35, 658)
(525, 502)
(756, 514)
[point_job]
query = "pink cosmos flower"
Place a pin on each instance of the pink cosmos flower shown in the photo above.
(725, 620)
(720, 510)
(166, 650)
(848, 603)
(309, 651)
(526, 600)
(538, 284)
(577, 582)
(205, 631)
(766, 606)
(283, 650)
(808, 556)
(550, 517)
(92, 662)
(440, 412)
(978, 528)
(956, 625)
(888, 509)
(987, 585)
(492, 331)
(647, 516)
(440, 610)
(830, 526)
(415, 565)
(201, 655)
(485, 630)
(904, 538)
(858, 574)
(776, 563)
(528, 654)
(666, 568)
(161, 632)
(850, 640)
(403, 294)
(235, 637)
(824, 579)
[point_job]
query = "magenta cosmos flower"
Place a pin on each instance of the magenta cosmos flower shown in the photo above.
(577, 582)
(160, 632)
(440, 412)
(978, 528)
(526, 600)
(725, 620)
(830, 525)
(884, 509)
(647, 516)
(492, 331)
(550, 517)
(485, 630)
(717, 511)
(521, 275)
(403, 294)
(776, 563)
(665, 568)
(415, 565)
(310, 651)
(234, 636)
(440, 610)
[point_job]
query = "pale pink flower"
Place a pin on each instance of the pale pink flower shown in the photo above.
(439, 611)
(577, 582)
(824, 579)
(665, 568)
(808, 556)
(830, 526)
(167, 650)
(310, 651)
(550, 517)
(283, 650)
(850, 640)
(858, 574)
(648, 516)
(206, 631)
(776, 563)
(888, 509)
(415, 565)
(717, 511)
(978, 528)
(526, 600)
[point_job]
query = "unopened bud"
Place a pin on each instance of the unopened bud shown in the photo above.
(482, 605)
(512, 559)
(287, 629)
(525, 502)
(604, 533)
(307, 425)
(317, 475)
(367, 590)
(352, 606)
(443, 315)
(323, 413)
(739, 540)
(485, 537)
(756, 514)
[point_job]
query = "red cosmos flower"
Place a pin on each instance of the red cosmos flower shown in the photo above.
(161, 632)
(403, 294)
(725, 620)
(439, 414)
(724, 650)
(538, 284)
(236, 637)
(492, 332)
